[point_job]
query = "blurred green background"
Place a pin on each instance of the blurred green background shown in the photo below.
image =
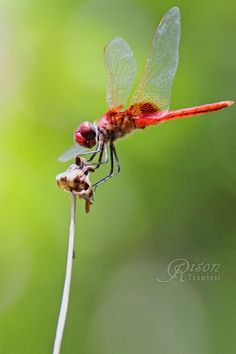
(175, 197)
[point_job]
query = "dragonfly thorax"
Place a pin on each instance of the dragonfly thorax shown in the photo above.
(116, 124)
(86, 135)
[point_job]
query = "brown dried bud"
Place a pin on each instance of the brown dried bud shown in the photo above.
(76, 179)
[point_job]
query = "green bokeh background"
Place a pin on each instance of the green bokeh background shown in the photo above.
(175, 197)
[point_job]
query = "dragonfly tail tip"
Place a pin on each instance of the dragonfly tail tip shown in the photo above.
(230, 103)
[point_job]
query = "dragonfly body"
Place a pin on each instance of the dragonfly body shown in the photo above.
(150, 102)
(117, 123)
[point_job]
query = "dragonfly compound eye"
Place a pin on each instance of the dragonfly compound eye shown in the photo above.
(85, 135)
(87, 130)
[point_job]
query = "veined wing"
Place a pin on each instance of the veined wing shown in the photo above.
(154, 88)
(72, 152)
(121, 69)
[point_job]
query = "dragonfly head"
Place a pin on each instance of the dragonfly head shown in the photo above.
(86, 135)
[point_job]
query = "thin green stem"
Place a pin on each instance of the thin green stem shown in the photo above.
(66, 290)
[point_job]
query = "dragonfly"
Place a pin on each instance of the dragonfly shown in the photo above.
(149, 104)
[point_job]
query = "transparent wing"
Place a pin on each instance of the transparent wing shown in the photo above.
(162, 62)
(121, 69)
(72, 152)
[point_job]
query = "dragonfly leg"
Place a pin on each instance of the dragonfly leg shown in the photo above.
(101, 151)
(106, 154)
(94, 153)
(100, 162)
(92, 157)
(111, 173)
(117, 161)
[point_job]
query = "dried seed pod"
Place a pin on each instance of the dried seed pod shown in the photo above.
(76, 179)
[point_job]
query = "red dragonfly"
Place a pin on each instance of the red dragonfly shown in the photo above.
(150, 102)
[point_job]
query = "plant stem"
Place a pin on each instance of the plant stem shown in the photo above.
(66, 290)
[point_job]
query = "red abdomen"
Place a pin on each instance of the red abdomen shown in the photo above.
(159, 117)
